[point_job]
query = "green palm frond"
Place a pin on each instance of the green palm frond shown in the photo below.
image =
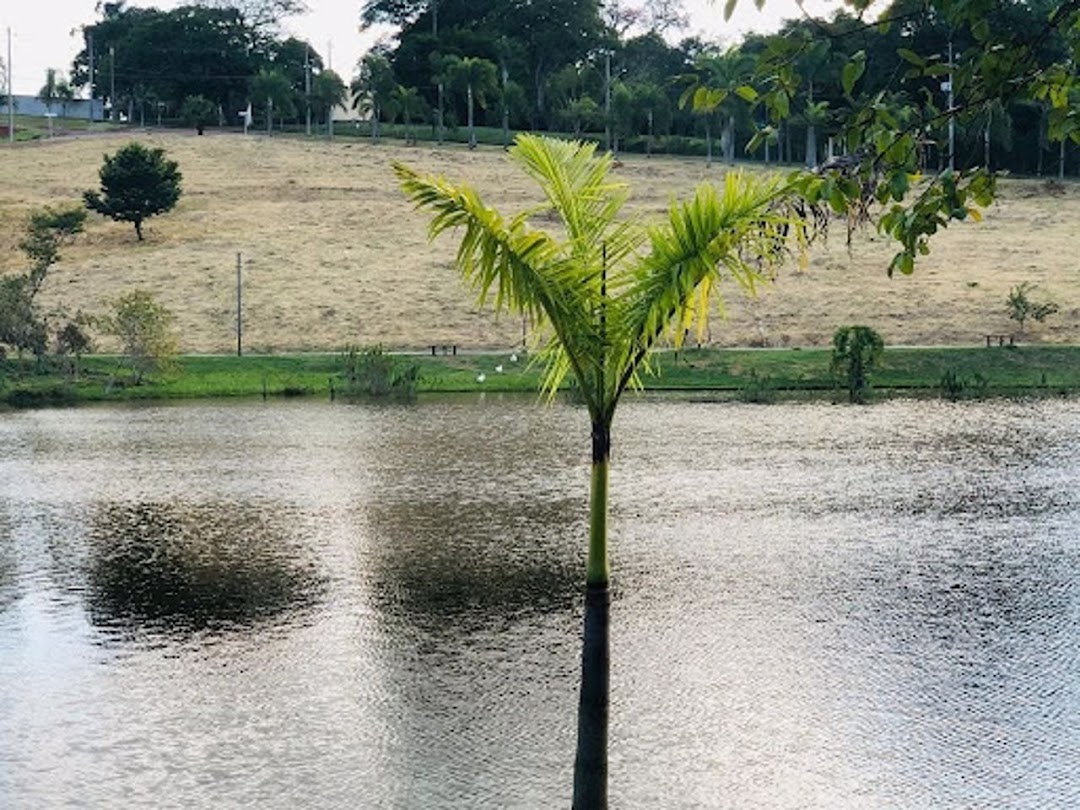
(735, 232)
(606, 291)
(524, 269)
(576, 184)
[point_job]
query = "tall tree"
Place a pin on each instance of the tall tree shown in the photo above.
(605, 293)
(718, 85)
(409, 104)
(49, 91)
(263, 15)
(272, 90)
(65, 94)
(187, 51)
(328, 91)
(477, 79)
(371, 87)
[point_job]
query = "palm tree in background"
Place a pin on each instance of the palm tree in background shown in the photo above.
(717, 86)
(605, 294)
(371, 87)
(477, 77)
(409, 104)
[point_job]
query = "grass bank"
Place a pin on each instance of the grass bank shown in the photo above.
(749, 374)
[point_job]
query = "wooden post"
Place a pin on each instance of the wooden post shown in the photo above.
(239, 306)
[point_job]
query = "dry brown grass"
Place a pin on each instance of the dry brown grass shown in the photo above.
(334, 255)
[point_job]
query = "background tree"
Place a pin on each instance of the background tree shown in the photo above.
(653, 111)
(262, 15)
(718, 86)
(198, 112)
(22, 324)
(442, 74)
(604, 293)
(65, 94)
(328, 91)
(407, 103)
(856, 352)
(188, 51)
(272, 91)
(136, 183)
(371, 87)
(1021, 307)
(49, 91)
(144, 329)
(477, 79)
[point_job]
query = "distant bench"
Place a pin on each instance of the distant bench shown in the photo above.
(1000, 340)
(445, 348)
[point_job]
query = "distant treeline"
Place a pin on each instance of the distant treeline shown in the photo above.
(579, 66)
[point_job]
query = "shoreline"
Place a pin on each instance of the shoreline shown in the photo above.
(747, 375)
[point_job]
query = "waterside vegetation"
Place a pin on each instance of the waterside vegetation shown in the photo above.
(776, 374)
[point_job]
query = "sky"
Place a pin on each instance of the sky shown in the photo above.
(45, 33)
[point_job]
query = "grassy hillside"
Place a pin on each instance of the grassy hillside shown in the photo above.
(334, 256)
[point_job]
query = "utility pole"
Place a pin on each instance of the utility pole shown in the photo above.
(239, 306)
(10, 92)
(307, 86)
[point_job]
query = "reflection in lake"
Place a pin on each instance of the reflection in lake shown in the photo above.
(304, 604)
(180, 567)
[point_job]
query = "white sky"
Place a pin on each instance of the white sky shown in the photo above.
(45, 33)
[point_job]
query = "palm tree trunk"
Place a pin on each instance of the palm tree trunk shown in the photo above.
(591, 762)
(472, 130)
(442, 128)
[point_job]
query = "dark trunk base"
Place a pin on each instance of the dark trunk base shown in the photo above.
(591, 764)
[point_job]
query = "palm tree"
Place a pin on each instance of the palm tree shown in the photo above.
(408, 103)
(477, 77)
(371, 86)
(273, 86)
(65, 94)
(605, 293)
(327, 92)
(49, 91)
(442, 72)
(715, 86)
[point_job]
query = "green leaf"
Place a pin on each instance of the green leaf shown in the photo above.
(747, 93)
(912, 57)
(852, 72)
(898, 185)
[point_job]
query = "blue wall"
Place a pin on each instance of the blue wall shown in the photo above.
(30, 105)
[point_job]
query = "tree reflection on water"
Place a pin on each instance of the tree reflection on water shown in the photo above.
(186, 567)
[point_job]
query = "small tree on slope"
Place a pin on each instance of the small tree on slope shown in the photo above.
(136, 183)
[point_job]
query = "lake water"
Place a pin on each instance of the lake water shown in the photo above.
(305, 604)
